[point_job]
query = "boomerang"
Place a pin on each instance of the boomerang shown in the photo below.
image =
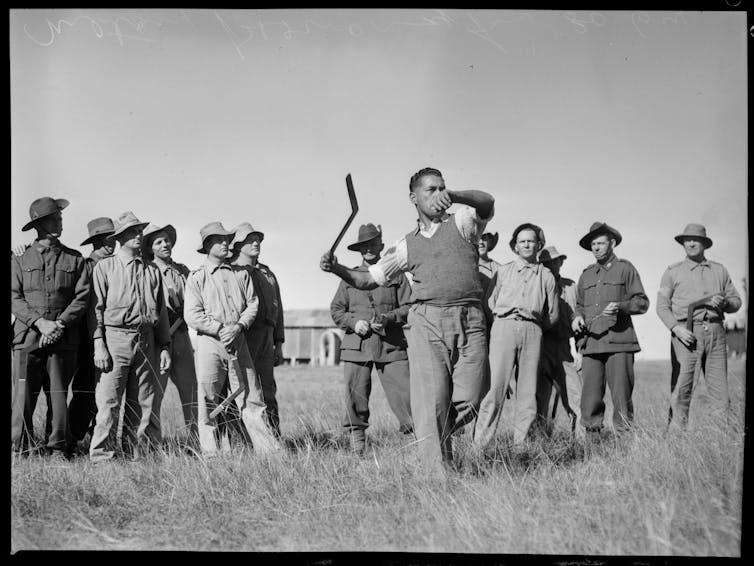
(354, 210)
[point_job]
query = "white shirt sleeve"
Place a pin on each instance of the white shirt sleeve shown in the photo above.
(392, 263)
(470, 224)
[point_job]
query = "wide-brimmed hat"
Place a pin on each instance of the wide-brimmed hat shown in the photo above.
(243, 231)
(598, 229)
(527, 226)
(212, 229)
(152, 230)
(491, 240)
(696, 231)
(367, 232)
(550, 253)
(44, 207)
(125, 221)
(102, 226)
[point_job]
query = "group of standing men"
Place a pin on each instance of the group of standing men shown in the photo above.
(451, 332)
(475, 327)
(117, 324)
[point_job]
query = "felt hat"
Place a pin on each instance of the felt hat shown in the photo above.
(212, 229)
(243, 231)
(101, 226)
(42, 207)
(527, 226)
(367, 232)
(696, 231)
(598, 229)
(491, 240)
(125, 221)
(550, 253)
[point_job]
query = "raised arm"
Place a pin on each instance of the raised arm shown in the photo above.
(481, 201)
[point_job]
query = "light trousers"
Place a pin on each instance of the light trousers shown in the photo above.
(515, 347)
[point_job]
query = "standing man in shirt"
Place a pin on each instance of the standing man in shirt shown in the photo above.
(267, 333)
(158, 243)
(523, 303)
(699, 344)
(49, 292)
(447, 338)
(131, 345)
(372, 321)
(608, 292)
(557, 366)
(221, 305)
(82, 410)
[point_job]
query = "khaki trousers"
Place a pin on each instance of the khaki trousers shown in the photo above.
(215, 366)
(710, 356)
(134, 371)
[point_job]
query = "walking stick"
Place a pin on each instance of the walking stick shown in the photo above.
(354, 210)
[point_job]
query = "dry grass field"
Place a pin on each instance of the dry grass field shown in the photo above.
(656, 494)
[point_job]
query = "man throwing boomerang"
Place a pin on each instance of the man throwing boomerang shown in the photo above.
(446, 328)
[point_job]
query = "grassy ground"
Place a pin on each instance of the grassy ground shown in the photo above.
(652, 495)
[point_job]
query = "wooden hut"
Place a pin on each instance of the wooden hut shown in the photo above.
(311, 338)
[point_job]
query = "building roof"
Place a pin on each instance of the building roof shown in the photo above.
(308, 318)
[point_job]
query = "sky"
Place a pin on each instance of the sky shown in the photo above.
(185, 117)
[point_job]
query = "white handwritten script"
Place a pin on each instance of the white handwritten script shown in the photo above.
(242, 28)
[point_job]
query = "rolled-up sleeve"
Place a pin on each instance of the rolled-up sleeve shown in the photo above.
(470, 224)
(392, 264)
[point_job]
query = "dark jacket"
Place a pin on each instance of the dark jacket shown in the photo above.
(616, 281)
(52, 284)
(350, 305)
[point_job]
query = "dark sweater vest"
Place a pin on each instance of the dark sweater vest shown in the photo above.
(444, 267)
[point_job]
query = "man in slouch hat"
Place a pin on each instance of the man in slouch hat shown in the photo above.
(697, 344)
(608, 293)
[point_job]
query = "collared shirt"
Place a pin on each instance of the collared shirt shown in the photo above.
(174, 276)
(395, 260)
(128, 294)
(688, 281)
(217, 295)
(48, 282)
(525, 291)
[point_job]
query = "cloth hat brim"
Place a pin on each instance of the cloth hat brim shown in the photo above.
(706, 242)
(229, 233)
(586, 241)
(168, 229)
(89, 240)
(60, 202)
(549, 259)
(126, 227)
(241, 235)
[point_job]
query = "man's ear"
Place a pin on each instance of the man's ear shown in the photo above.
(412, 197)
(382, 246)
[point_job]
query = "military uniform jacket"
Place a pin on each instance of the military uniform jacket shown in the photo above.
(351, 305)
(51, 283)
(616, 281)
(270, 304)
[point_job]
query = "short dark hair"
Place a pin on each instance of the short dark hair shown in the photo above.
(421, 173)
